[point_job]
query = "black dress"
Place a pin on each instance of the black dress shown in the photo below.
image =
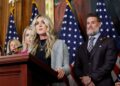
(41, 53)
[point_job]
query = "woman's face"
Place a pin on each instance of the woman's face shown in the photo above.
(29, 37)
(13, 46)
(40, 26)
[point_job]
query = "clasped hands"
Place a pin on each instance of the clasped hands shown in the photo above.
(117, 84)
(61, 73)
(86, 81)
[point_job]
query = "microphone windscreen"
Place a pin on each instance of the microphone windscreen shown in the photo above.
(19, 47)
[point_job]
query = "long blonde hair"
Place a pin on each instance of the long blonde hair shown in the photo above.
(51, 36)
(8, 45)
(25, 47)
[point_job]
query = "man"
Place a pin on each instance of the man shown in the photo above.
(95, 58)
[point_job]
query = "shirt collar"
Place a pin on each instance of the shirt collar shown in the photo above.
(96, 36)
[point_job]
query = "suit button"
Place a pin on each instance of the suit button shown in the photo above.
(89, 63)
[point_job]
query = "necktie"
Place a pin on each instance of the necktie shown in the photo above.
(90, 44)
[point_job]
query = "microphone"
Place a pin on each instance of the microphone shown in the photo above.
(19, 47)
(11, 52)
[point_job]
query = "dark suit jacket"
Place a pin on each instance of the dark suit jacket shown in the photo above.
(97, 64)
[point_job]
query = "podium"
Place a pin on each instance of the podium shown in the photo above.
(26, 70)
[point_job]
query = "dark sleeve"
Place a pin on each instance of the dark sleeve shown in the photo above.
(110, 59)
(78, 64)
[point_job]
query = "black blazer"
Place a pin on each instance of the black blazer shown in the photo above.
(97, 64)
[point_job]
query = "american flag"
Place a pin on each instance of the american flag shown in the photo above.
(70, 33)
(108, 30)
(35, 11)
(11, 32)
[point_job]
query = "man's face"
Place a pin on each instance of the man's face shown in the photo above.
(93, 26)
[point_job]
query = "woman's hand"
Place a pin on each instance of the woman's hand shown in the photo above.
(61, 73)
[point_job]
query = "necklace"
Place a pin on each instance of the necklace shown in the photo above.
(42, 45)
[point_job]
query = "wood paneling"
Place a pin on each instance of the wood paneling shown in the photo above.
(26, 70)
(59, 13)
(4, 19)
(81, 9)
(0, 18)
(22, 14)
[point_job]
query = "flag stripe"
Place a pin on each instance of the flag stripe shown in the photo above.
(116, 69)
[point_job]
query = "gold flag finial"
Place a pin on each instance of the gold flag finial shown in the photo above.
(34, 2)
(12, 9)
(12, 2)
(12, 5)
(67, 1)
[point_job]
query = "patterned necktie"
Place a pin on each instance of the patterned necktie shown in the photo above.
(90, 44)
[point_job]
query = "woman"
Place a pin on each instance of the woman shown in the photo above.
(49, 49)
(29, 35)
(13, 47)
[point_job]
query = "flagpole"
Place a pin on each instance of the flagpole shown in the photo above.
(12, 6)
(11, 32)
(34, 2)
(67, 1)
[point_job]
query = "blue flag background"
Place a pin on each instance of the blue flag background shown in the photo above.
(107, 27)
(108, 30)
(35, 12)
(11, 31)
(70, 33)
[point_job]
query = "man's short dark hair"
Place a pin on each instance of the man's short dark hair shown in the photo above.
(94, 15)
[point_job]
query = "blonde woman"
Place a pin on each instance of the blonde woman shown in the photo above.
(29, 35)
(49, 49)
(13, 47)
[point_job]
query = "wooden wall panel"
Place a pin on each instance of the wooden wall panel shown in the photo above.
(81, 9)
(18, 16)
(41, 6)
(59, 13)
(26, 13)
(0, 21)
(4, 19)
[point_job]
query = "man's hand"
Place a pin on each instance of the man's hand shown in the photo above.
(86, 80)
(91, 84)
(117, 84)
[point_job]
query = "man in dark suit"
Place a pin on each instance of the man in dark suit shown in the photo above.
(95, 58)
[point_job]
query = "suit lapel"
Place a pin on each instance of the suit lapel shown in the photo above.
(85, 50)
(96, 46)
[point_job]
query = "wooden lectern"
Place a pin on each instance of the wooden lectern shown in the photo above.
(26, 70)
